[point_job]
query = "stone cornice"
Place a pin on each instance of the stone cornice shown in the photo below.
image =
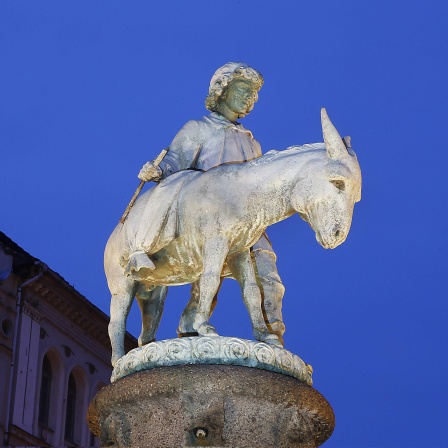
(95, 326)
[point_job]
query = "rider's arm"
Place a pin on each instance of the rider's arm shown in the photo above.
(183, 150)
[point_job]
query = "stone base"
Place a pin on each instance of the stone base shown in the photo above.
(210, 405)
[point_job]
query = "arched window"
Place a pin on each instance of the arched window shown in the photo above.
(71, 408)
(45, 391)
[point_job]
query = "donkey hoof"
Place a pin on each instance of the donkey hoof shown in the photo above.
(115, 359)
(144, 341)
(186, 334)
(269, 338)
(185, 328)
(207, 330)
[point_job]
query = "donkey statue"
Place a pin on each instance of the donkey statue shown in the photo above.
(219, 215)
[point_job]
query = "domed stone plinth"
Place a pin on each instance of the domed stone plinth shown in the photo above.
(210, 405)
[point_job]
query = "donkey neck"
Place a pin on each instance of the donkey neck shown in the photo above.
(274, 180)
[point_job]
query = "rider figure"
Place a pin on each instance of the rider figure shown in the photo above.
(215, 140)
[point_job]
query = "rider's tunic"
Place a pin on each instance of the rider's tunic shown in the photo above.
(209, 142)
(212, 141)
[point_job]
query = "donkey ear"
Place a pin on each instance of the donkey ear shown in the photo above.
(336, 148)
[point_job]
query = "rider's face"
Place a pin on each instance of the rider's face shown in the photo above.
(239, 97)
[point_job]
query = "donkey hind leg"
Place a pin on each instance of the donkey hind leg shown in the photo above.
(123, 292)
(185, 327)
(151, 305)
(243, 271)
(214, 255)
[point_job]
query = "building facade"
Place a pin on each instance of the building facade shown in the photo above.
(54, 354)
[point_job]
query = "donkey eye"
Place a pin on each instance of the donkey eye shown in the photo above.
(339, 184)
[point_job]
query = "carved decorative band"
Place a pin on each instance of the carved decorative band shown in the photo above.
(29, 311)
(212, 350)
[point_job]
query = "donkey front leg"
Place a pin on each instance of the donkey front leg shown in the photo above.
(185, 328)
(243, 271)
(214, 254)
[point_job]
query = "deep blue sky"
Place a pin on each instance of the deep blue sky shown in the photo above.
(90, 90)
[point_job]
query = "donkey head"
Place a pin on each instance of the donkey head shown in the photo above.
(326, 193)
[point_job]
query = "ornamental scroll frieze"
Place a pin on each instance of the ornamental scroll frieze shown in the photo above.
(216, 351)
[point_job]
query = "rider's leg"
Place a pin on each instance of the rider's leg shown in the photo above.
(271, 286)
(242, 268)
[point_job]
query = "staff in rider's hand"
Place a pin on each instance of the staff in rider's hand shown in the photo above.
(153, 168)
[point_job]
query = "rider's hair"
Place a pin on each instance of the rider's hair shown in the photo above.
(225, 75)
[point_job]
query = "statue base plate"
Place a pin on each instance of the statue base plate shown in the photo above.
(210, 405)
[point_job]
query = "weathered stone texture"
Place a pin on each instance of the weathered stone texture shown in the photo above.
(215, 406)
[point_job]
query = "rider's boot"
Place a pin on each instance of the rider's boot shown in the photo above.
(272, 292)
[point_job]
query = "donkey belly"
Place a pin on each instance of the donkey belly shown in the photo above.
(243, 238)
(176, 265)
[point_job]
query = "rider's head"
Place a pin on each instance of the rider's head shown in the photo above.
(229, 72)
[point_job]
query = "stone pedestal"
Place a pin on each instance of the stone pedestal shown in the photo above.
(210, 405)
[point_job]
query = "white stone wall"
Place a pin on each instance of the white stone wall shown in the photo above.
(7, 316)
(57, 322)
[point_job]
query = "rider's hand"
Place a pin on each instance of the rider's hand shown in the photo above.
(149, 172)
